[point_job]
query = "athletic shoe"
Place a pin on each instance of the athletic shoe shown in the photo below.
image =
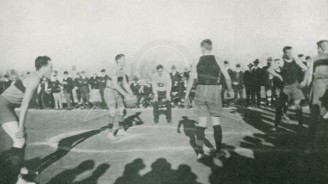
(220, 154)
(112, 137)
(200, 156)
(274, 129)
(22, 181)
(123, 133)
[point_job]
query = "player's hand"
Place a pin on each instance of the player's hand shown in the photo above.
(20, 134)
(302, 84)
(235, 83)
(230, 93)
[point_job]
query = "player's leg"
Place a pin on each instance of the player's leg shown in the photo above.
(201, 110)
(111, 104)
(279, 109)
(200, 135)
(13, 159)
(155, 111)
(215, 110)
(298, 96)
(120, 115)
(168, 111)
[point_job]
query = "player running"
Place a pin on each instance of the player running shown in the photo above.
(208, 101)
(162, 84)
(17, 95)
(117, 90)
(291, 90)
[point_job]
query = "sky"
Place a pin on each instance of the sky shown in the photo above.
(89, 33)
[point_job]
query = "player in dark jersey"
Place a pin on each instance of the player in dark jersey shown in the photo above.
(291, 91)
(19, 95)
(208, 102)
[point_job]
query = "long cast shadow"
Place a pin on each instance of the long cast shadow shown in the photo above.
(189, 129)
(65, 145)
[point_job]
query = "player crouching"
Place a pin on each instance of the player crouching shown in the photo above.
(162, 85)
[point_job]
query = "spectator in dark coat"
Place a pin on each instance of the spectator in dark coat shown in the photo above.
(238, 82)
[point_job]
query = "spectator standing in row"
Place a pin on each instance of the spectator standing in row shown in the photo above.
(248, 81)
(68, 85)
(84, 89)
(224, 84)
(56, 92)
(257, 83)
(238, 82)
(103, 78)
(46, 94)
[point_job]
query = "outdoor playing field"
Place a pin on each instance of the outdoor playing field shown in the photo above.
(71, 147)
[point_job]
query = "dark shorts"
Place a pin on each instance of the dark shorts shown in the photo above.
(293, 92)
(7, 111)
(208, 100)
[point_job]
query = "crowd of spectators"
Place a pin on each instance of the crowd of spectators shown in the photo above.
(252, 85)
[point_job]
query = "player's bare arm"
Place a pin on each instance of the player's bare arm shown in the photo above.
(32, 82)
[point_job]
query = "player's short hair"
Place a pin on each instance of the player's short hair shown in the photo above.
(286, 48)
(207, 44)
(276, 59)
(300, 55)
(65, 72)
(118, 57)
(159, 67)
(41, 61)
(307, 57)
(321, 42)
(226, 62)
(237, 65)
(103, 70)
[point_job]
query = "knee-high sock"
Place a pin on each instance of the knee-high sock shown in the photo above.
(218, 137)
(200, 139)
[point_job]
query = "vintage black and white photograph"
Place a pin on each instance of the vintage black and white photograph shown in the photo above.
(163, 91)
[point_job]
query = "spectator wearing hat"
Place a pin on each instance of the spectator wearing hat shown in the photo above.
(267, 81)
(103, 78)
(257, 82)
(248, 82)
(225, 102)
(238, 82)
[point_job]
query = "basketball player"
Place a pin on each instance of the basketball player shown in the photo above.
(291, 90)
(19, 94)
(317, 76)
(116, 90)
(208, 102)
(162, 84)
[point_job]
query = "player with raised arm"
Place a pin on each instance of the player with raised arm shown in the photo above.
(291, 89)
(17, 95)
(208, 102)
